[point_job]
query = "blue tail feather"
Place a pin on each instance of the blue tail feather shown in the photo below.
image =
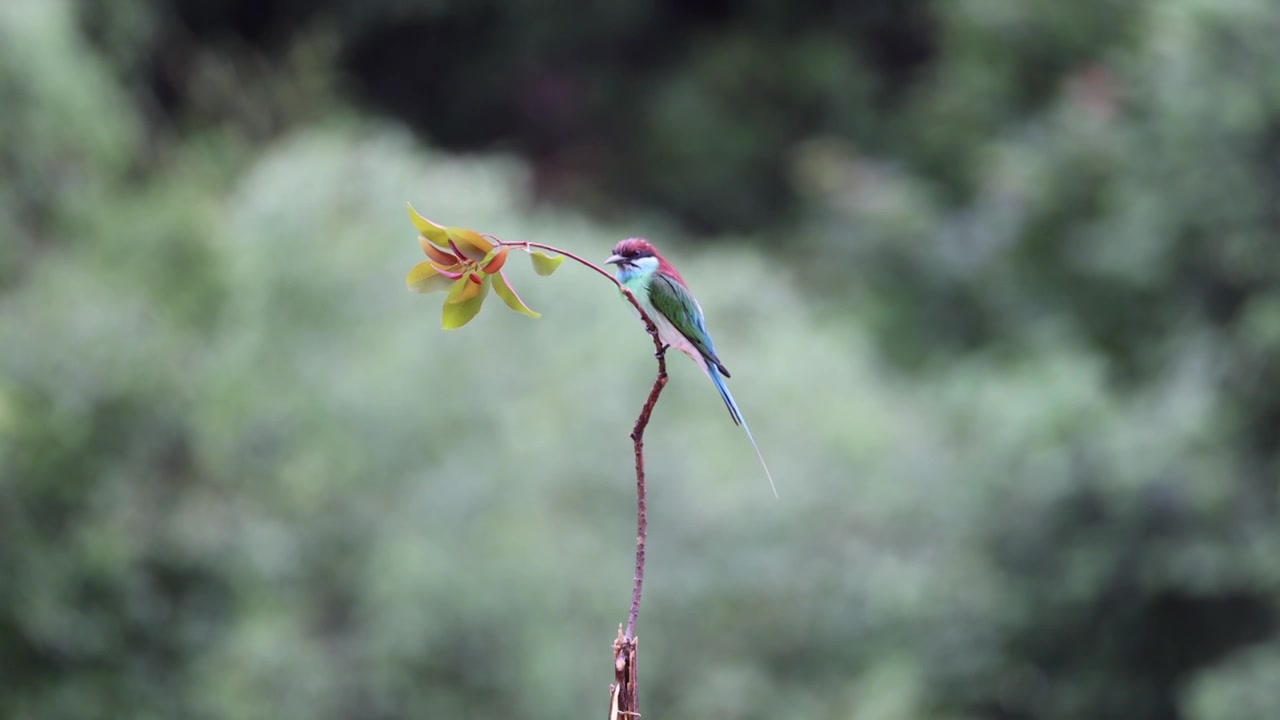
(725, 395)
(736, 414)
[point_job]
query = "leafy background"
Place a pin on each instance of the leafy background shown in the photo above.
(999, 284)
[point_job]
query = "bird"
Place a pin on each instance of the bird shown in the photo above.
(666, 298)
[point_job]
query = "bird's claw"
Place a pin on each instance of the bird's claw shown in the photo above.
(663, 351)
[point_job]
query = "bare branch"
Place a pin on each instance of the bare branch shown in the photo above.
(624, 693)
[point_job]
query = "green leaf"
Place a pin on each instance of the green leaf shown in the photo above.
(458, 314)
(424, 278)
(509, 296)
(544, 264)
(431, 231)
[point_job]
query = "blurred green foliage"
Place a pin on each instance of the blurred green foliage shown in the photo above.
(1003, 306)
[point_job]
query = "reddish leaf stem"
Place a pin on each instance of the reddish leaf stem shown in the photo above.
(527, 245)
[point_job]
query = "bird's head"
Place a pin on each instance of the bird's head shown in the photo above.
(637, 256)
(633, 254)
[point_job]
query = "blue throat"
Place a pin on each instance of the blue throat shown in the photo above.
(631, 274)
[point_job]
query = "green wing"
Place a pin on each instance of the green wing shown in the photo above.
(675, 302)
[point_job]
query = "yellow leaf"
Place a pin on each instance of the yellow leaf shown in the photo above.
(466, 289)
(509, 296)
(431, 231)
(544, 264)
(469, 243)
(424, 278)
(456, 315)
(457, 289)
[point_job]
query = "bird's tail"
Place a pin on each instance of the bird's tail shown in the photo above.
(736, 414)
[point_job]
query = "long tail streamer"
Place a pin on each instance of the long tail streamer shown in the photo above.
(736, 414)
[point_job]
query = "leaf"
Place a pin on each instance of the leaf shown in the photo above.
(475, 285)
(469, 242)
(544, 264)
(464, 289)
(456, 315)
(494, 261)
(471, 254)
(509, 296)
(424, 278)
(445, 259)
(431, 231)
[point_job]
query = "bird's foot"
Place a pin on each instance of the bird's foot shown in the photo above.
(663, 351)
